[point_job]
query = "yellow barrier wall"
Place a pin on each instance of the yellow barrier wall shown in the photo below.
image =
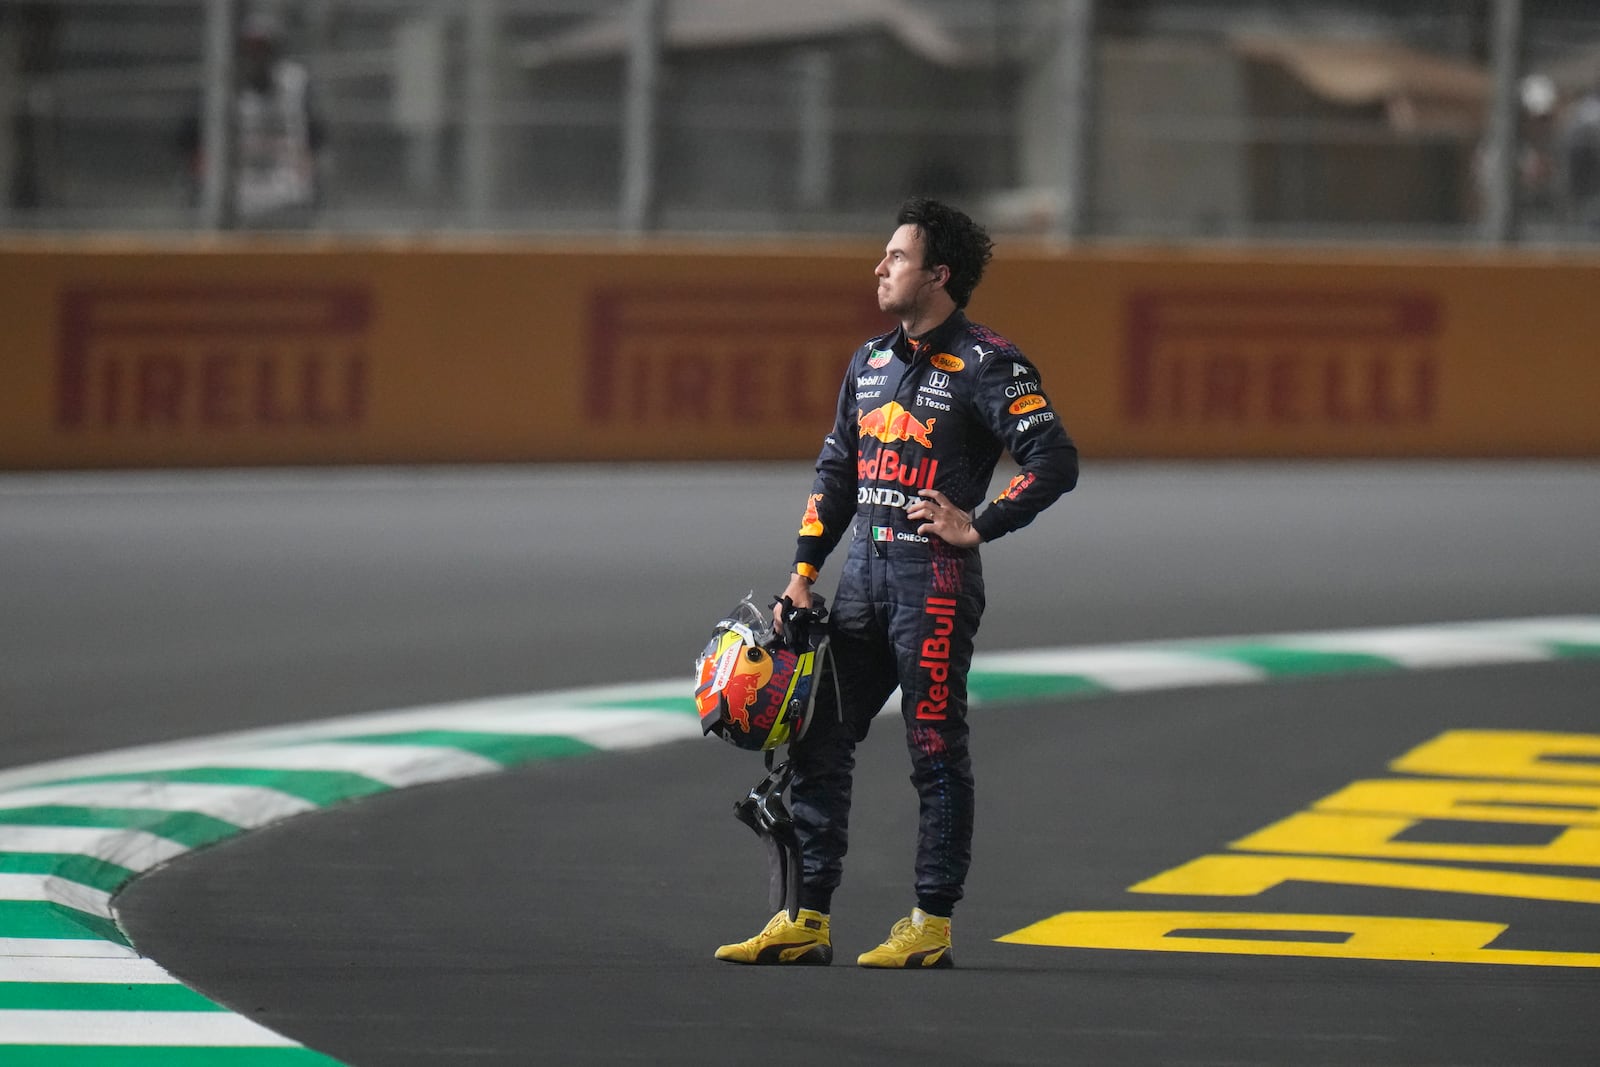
(120, 355)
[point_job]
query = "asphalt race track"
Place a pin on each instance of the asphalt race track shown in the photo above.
(565, 911)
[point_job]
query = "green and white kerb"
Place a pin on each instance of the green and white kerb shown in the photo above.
(74, 832)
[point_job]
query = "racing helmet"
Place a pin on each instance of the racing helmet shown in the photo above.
(753, 688)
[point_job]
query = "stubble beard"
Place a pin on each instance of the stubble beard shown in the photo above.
(891, 305)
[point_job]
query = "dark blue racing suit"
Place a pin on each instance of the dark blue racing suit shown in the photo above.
(934, 412)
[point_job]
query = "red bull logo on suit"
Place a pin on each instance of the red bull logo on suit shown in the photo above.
(936, 657)
(891, 423)
(888, 467)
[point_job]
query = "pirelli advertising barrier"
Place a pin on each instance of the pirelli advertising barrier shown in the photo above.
(123, 355)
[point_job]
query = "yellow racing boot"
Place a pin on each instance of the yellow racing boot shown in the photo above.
(803, 942)
(921, 940)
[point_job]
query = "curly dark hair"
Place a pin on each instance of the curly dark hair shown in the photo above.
(949, 237)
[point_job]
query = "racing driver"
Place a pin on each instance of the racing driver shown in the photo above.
(924, 413)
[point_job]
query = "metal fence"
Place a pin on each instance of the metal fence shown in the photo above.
(1173, 120)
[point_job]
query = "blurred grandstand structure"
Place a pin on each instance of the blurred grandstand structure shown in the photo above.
(1074, 120)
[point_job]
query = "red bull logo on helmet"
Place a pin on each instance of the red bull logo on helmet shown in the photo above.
(891, 423)
(745, 684)
(731, 678)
